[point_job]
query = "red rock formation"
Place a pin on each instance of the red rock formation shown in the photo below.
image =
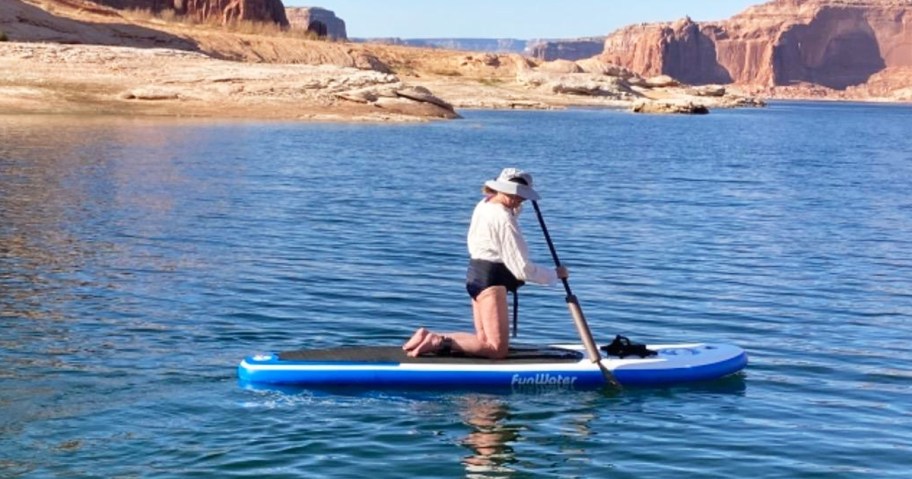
(221, 11)
(832, 43)
(319, 21)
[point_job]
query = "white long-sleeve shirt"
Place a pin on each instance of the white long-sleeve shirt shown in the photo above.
(494, 235)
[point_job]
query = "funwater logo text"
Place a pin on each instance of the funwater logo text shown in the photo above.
(542, 381)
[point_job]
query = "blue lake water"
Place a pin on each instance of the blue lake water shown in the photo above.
(141, 259)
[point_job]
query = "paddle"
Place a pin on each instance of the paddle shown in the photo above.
(575, 310)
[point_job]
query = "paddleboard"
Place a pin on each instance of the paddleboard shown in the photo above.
(526, 368)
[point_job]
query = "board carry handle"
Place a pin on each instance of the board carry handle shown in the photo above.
(576, 311)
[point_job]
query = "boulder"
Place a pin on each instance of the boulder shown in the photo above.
(406, 106)
(401, 99)
(560, 66)
(661, 107)
(422, 94)
(707, 90)
(601, 67)
(661, 81)
(585, 84)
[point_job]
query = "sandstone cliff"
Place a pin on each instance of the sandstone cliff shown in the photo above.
(319, 21)
(836, 44)
(219, 11)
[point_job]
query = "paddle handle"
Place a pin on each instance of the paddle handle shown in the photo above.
(583, 327)
(576, 312)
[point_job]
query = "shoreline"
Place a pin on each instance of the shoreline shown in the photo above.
(54, 78)
(61, 79)
(77, 57)
(342, 120)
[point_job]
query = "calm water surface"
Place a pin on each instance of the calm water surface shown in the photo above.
(140, 260)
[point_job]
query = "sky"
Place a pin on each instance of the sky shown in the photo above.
(519, 19)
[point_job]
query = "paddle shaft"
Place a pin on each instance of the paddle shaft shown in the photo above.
(576, 311)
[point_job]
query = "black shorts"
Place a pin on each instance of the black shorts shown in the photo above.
(483, 274)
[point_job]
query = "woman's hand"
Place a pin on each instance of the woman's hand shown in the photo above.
(562, 272)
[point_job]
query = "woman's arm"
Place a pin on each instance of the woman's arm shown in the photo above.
(515, 255)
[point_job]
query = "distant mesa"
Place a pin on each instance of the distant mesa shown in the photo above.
(487, 45)
(571, 49)
(542, 49)
(319, 21)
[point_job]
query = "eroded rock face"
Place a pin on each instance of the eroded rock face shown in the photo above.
(221, 11)
(321, 22)
(832, 43)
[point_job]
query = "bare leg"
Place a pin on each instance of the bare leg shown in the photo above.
(492, 330)
(492, 335)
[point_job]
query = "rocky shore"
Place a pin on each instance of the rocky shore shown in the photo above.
(98, 79)
(82, 56)
(74, 56)
(54, 78)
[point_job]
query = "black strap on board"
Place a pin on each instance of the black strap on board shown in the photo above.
(623, 347)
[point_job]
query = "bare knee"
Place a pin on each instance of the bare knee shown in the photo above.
(500, 352)
(495, 350)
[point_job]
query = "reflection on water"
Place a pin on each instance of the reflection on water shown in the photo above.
(491, 437)
(505, 440)
(65, 195)
(87, 211)
(76, 224)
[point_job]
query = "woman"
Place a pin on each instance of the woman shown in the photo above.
(499, 262)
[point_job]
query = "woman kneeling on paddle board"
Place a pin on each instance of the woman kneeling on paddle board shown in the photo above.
(499, 262)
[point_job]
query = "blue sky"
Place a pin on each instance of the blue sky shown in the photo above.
(522, 19)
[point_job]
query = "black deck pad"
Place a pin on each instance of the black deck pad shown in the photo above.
(395, 354)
